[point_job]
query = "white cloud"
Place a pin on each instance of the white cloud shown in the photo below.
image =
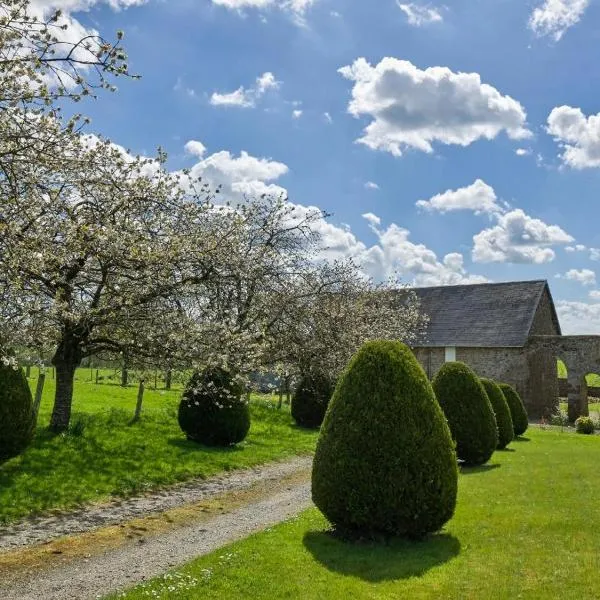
(554, 17)
(578, 136)
(328, 118)
(237, 176)
(595, 295)
(576, 248)
(70, 6)
(595, 253)
(196, 148)
(416, 264)
(371, 185)
(412, 108)
(419, 15)
(297, 8)
(523, 151)
(393, 252)
(478, 197)
(246, 98)
(296, 114)
(579, 318)
(74, 31)
(518, 238)
(583, 276)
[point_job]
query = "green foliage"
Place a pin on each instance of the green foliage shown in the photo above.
(584, 425)
(16, 412)
(112, 457)
(385, 461)
(310, 400)
(212, 411)
(506, 432)
(517, 409)
(468, 411)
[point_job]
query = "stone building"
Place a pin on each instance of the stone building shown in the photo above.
(493, 327)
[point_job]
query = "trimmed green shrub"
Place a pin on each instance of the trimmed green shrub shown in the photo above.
(506, 432)
(517, 408)
(385, 462)
(16, 412)
(584, 425)
(468, 411)
(212, 410)
(310, 400)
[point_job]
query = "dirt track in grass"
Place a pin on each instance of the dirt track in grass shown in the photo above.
(113, 546)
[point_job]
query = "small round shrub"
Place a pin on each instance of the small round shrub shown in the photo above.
(385, 462)
(517, 409)
(212, 410)
(310, 400)
(584, 425)
(16, 412)
(468, 411)
(506, 432)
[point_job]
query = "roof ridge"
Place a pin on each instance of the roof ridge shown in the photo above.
(489, 283)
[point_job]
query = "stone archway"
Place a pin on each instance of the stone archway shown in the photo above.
(581, 355)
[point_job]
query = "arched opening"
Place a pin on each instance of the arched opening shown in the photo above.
(563, 384)
(573, 385)
(593, 394)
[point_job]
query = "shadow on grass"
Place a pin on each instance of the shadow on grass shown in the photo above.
(190, 445)
(396, 559)
(466, 470)
(521, 439)
(506, 449)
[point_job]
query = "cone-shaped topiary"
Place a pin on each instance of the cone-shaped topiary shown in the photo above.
(212, 410)
(310, 400)
(506, 432)
(16, 412)
(385, 461)
(469, 412)
(517, 409)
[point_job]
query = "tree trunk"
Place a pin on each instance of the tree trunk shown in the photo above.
(168, 379)
(66, 360)
(138, 406)
(125, 372)
(38, 395)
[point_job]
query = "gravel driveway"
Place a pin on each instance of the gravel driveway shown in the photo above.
(139, 560)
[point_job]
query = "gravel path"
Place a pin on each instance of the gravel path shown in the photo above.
(122, 568)
(37, 530)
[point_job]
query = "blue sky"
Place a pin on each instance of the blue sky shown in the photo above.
(452, 143)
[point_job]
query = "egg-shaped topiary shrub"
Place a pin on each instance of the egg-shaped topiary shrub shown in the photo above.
(468, 411)
(385, 462)
(17, 422)
(212, 410)
(310, 400)
(517, 409)
(584, 425)
(506, 432)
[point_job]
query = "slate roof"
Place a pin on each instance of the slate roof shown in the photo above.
(488, 315)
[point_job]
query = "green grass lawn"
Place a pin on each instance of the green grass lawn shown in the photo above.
(526, 527)
(103, 455)
(593, 406)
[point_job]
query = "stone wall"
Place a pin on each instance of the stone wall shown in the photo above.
(532, 374)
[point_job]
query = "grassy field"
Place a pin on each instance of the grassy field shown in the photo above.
(103, 455)
(526, 527)
(593, 406)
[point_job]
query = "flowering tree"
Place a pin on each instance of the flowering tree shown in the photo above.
(333, 311)
(103, 253)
